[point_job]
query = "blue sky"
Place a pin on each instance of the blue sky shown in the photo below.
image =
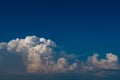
(80, 27)
(83, 26)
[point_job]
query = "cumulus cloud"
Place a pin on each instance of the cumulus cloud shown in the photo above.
(39, 56)
(110, 62)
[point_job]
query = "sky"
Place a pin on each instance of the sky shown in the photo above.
(81, 29)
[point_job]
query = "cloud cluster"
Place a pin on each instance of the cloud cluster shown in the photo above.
(39, 56)
(109, 63)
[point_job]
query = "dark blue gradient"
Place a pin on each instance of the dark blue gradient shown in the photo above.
(82, 27)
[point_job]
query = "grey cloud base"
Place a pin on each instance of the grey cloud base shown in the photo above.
(38, 55)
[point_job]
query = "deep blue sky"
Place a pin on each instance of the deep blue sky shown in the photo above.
(77, 26)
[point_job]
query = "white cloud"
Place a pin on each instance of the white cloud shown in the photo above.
(111, 62)
(38, 57)
(37, 54)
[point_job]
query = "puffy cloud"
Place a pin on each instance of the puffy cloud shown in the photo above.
(111, 62)
(61, 65)
(74, 67)
(39, 56)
